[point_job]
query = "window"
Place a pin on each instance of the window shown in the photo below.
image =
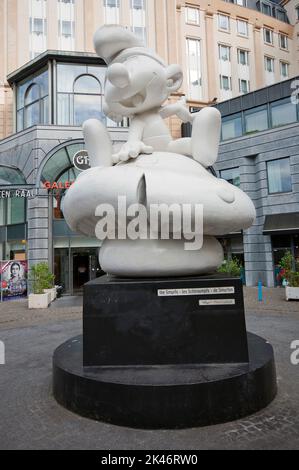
(223, 22)
(242, 3)
(283, 112)
(231, 126)
(32, 101)
(297, 12)
(242, 27)
(16, 210)
(269, 64)
(224, 52)
(256, 119)
(280, 15)
(138, 18)
(192, 15)
(284, 70)
(268, 36)
(37, 27)
(243, 57)
(283, 41)
(79, 93)
(111, 11)
(225, 82)
(194, 68)
(279, 176)
(232, 175)
(266, 9)
(244, 86)
(66, 24)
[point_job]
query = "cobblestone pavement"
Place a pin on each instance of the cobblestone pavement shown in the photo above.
(16, 314)
(31, 419)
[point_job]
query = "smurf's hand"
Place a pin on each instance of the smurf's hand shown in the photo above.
(131, 149)
(179, 109)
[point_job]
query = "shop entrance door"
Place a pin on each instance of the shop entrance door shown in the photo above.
(81, 271)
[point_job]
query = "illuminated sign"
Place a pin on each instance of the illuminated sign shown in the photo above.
(60, 185)
(81, 160)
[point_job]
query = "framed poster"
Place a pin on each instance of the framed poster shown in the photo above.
(13, 279)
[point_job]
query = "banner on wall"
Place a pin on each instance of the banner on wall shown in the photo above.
(13, 279)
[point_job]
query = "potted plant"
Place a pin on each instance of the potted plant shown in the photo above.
(232, 267)
(290, 276)
(42, 285)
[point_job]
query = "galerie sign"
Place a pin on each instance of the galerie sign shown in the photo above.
(21, 193)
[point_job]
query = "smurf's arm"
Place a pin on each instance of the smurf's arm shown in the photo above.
(134, 146)
(179, 109)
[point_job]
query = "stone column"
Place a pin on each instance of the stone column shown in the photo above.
(211, 66)
(257, 247)
(258, 54)
(38, 228)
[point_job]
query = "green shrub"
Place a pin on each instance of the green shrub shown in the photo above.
(232, 267)
(288, 273)
(41, 278)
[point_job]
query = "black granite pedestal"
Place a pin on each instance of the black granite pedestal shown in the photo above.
(164, 353)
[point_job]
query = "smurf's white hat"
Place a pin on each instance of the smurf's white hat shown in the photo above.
(116, 43)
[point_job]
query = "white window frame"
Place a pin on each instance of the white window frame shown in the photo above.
(239, 22)
(285, 38)
(220, 46)
(229, 82)
(272, 62)
(187, 18)
(271, 36)
(222, 15)
(247, 85)
(281, 64)
(246, 55)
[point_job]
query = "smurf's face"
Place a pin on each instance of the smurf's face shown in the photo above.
(138, 84)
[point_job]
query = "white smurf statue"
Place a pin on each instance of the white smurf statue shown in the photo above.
(151, 168)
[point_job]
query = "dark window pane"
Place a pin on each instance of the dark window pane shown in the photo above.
(232, 175)
(16, 210)
(283, 112)
(231, 127)
(279, 176)
(256, 120)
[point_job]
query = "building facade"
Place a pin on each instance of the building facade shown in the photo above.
(225, 48)
(259, 153)
(48, 89)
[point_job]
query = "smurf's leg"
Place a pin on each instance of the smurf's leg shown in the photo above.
(206, 136)
(98, 143)
(181, 146)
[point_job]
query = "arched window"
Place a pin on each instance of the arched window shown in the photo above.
(32, 105)
(32, 100)
(87, 99)
(79, 93)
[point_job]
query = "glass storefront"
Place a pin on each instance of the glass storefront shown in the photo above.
(75, 257)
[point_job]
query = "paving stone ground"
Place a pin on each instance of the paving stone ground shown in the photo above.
(31, 419)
